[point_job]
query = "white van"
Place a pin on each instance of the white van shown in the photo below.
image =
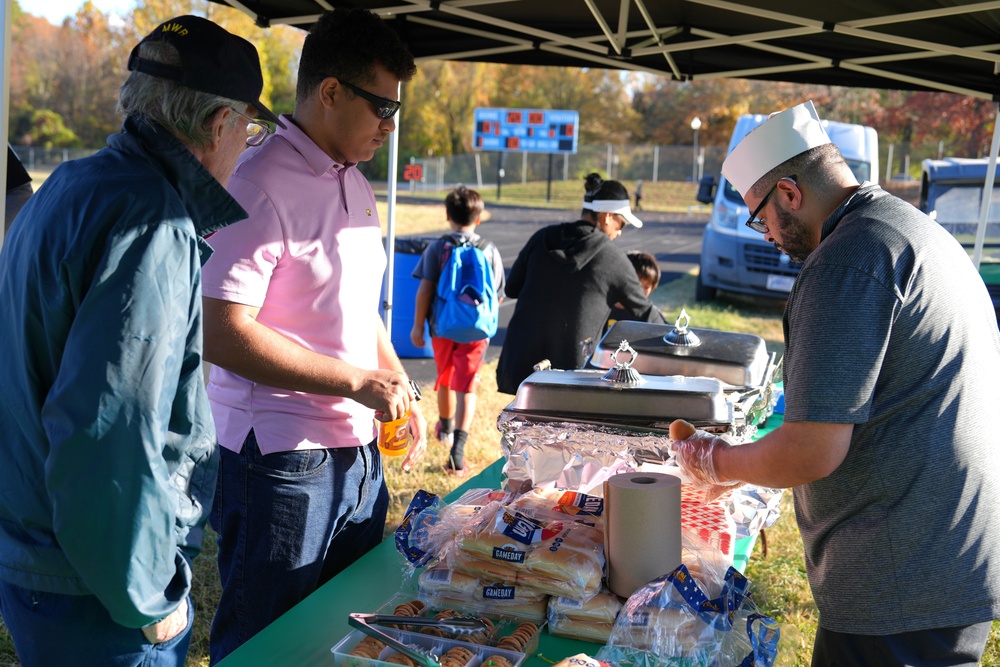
(737, 259)
(951, 192)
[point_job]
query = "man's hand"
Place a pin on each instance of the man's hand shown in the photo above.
(387, 392)
(418, 437)
(169, 627)
(695, 456)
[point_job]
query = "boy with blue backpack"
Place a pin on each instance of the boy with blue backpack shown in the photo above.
(461, 285)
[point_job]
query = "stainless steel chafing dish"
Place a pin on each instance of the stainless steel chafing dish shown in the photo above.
(710, 378)
(573, 428)
(650, 403)
(739, 360)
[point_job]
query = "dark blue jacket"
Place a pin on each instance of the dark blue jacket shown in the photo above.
(107, 446)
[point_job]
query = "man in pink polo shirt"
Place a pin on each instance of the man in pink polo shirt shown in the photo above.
(302, 363)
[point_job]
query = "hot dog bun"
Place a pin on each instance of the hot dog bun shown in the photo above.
(681, 430)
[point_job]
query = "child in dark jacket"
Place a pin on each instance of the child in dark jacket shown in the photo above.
(648, 271)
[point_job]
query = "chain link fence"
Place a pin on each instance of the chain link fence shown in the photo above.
(624, 163)
(35, 158)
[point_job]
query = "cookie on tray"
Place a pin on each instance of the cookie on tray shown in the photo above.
(400, 659)
(517, 640)
(369, 647)
(458, 656)
(496, 661)
(411, 608)
(480, 636)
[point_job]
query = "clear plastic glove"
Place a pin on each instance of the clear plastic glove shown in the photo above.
(696, 457)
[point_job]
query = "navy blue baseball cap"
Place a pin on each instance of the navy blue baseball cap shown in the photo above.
(213, 60)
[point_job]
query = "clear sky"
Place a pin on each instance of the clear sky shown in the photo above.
(56, 10)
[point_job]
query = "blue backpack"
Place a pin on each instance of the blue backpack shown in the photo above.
(466, 308)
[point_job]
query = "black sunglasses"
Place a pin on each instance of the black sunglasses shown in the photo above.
(758, 225)
(384, 107)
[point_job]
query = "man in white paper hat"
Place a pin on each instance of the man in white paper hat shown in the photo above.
(889, 434)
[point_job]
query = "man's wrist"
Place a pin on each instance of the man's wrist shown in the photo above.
(722, 462)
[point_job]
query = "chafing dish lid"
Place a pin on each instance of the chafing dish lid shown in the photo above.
(737, 359)
(585, 393)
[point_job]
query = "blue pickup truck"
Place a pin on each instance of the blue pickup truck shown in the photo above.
(951, 192)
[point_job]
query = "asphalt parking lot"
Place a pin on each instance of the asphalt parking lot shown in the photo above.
(673, 238)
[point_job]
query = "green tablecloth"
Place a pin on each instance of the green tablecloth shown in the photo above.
(305, 634)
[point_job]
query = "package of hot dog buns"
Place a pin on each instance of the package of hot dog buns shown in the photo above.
(553, 555)
(702, 613)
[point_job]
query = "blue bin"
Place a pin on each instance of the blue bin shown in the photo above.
(404, 294)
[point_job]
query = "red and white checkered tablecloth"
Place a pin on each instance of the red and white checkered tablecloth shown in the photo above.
(709, 521)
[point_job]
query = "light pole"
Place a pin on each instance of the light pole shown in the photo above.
(695, 125)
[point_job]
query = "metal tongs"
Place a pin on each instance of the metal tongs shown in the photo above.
(423, 658)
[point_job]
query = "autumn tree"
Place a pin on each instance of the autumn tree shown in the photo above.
(92, 57)
(439, 104)
(72, 72)
(963, 124)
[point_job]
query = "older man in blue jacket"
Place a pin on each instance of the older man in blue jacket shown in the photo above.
(106, 436)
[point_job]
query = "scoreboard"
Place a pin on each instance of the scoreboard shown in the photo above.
(526, 130)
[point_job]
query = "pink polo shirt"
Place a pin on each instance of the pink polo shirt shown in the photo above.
(310, 256)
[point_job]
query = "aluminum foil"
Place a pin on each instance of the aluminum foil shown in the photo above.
(571, 455)
(753, 508)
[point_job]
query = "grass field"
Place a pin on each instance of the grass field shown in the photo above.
(663, 196)
(778, 577)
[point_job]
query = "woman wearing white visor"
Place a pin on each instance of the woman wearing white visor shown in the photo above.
(566, 279)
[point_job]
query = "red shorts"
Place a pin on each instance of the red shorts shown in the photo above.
(458, 364)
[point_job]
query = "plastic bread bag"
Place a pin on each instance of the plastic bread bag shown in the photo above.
(557, 502)
(590, 620)
(444, 581)
(493, 570)
(675, 620)
(588, 631)
(554, 556)
(568, 455)
(601, 608)
(429, 526)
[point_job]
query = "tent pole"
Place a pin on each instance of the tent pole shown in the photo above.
(390, 236)
(984, 207)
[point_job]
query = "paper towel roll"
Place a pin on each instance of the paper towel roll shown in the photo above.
(642, 539)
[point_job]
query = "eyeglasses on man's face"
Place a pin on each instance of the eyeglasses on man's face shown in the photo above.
(384, 107)
(755, 223)
(257, 130)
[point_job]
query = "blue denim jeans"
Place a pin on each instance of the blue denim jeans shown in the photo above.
(287, 523)
(53, 629)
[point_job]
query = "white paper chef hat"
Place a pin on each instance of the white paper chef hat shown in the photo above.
(781, 137)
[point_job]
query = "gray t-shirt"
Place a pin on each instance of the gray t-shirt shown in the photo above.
(890, 327)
